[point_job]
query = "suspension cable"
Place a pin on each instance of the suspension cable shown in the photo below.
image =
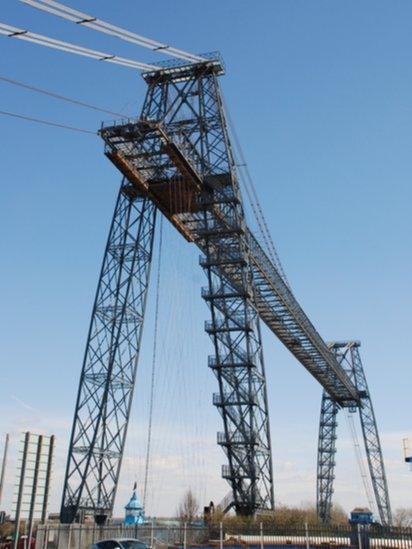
(91, 22)
(153, 374)
(58, 96)
(253, 198)
(46, 122)
(359, 459)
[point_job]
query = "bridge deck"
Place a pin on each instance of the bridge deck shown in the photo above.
(148, 156)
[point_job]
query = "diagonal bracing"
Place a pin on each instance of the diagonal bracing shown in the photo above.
(110, 362)
(348, 355)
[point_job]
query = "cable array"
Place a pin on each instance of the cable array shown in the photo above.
(91, 22)
(154, 354)
(359, 459)
(41, 40)
(249, 186)
(183, 450)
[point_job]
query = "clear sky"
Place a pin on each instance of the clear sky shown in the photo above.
(320, 92)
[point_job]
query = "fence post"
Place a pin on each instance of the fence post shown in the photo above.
(58, 537)
(46, 537)
(185, 535)
(359, 537)
(307, 535)
(80, 536)
(261, 535)
(221, 535)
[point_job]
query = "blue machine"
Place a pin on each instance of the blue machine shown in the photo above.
(361, 519)
(361, 515)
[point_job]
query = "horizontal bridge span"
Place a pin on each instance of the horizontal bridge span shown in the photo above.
(145, 153)
(281, 312)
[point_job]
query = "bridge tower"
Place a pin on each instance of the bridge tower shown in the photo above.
(185, 102)
(348, 356)
(177, 161)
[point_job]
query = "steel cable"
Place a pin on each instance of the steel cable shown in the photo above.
(253, 198)
(58, 96)
(46, 122)
(359, 458)
(154, 355)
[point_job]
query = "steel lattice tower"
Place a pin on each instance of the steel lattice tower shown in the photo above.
(177, 158)
(347, 353)
(326, 456)
(109, 367)
(98, 438)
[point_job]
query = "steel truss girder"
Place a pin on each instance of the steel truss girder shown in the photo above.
(281, 312)
(110, 362)
(348, 355)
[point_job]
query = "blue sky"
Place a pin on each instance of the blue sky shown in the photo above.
(320, 93)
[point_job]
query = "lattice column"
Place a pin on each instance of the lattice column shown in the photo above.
(326, 457)
(348, 356)
(234, 326)
(371, 440)
(110, 362)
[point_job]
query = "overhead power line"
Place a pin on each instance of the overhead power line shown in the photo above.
(86, 20)
(46, 122)
(57, 96)
(39, 39)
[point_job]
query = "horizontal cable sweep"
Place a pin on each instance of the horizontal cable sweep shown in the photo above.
(41, 40)
(85, 20)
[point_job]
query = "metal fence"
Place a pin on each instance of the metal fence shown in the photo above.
(262, 536)
(266, 536)
(83, 536)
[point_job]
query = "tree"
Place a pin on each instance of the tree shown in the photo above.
(282, 517)
(6, 530)
(188, 509)
(403, 517)
(339, 516)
